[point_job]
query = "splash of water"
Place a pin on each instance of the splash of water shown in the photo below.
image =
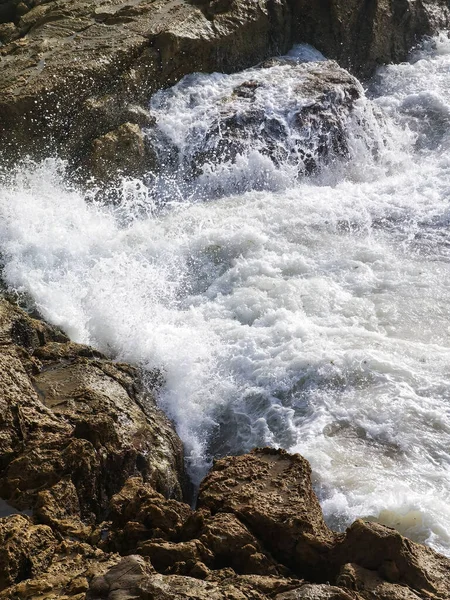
(310, 313)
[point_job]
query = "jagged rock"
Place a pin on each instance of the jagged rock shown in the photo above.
(139, 513)
(122, 152)
(133, 578)
(74, 426)
(234, 546)
(270, 491)
(363, 34)
(180, 558)
(394, 559)
(73, 566)
(26, 550)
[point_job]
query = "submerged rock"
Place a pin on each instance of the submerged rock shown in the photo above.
(307, 128)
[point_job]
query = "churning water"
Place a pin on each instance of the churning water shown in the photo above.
(307, 309)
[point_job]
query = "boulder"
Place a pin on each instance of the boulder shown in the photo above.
(26, 550)
(393, 559)
(74, 427)
(270, 492)
(309, 128)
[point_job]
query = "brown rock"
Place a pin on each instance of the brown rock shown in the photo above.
(26, 550)
(73, 54)
(370, 586)
(395, 558)
(74, 426)
(73, 566)
(270, 491)
(121, 153)
(234, 546)
(139, 513)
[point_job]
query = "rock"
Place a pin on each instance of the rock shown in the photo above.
(316, 592)
(127, 579)
(26, 550)
(133, 578)
(75, 426)
(72, 55)
(139, 513)
(121, 153)
(234, 546)
(362, 35)
(308, 131)
(73, 566)
(394, 559)
(270, 491)
(371, 586)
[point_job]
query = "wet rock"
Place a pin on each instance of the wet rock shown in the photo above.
(270, 491)
(311, 130)
(361, 35)
(74, 427)
(121, 153)
(71, 55)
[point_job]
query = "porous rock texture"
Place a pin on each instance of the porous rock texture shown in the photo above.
(74, 71)
(258, 532)
(74, 426)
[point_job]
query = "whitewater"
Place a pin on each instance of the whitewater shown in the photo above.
(303, 311)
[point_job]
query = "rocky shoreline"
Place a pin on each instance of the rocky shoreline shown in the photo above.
(93, 474)
(77, 75)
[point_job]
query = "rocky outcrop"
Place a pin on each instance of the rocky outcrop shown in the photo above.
(74, 426)
(258, 533)
(270, 491)
(363, 35)
(75, 72)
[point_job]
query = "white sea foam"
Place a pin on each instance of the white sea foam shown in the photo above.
(312, 315)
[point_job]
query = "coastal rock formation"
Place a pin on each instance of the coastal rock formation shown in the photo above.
(74, 426)
(76, 71)
(308, 132)
(363, 35)
(258, 533)
(270, 491)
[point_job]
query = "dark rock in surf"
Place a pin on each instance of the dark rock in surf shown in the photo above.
(314, 132)
(362, 35)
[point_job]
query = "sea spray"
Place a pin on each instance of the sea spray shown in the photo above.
(310, 312)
